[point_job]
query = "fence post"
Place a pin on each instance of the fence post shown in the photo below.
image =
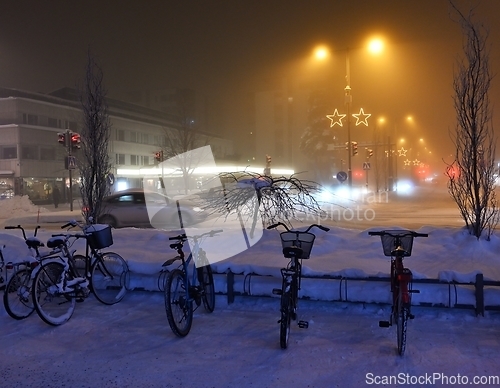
(479, 285)
(230, 286)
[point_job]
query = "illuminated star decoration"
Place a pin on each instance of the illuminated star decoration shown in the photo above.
(402, 152)
(362, 114)
(416, 162)
(407, 162)
(336, 118)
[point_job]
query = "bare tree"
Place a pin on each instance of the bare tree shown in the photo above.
(276, 199)
(181, 139)
(471, 180)
(95, 164)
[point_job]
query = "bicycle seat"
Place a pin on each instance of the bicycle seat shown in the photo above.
(176, 246)
(55, 242)
(33, 242)
(290, 252)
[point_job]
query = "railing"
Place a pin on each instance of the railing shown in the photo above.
(455, 295)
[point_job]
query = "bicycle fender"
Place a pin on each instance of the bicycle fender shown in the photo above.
(170, 261)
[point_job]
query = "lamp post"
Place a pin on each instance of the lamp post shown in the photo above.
(348, 103)
(375, 46)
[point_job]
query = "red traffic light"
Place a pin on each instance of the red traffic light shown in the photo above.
(76, 141)
(61, 138)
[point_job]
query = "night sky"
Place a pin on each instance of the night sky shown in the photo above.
(222, 47)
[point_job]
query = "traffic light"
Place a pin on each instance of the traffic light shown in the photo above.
(61, 138)
(75, 141)
(159, 156)
(354, 145)
(369, 153)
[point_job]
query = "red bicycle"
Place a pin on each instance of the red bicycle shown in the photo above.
(398, 244)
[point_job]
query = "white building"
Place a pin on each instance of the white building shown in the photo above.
(32, 160)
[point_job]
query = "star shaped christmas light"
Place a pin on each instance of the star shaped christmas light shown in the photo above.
(364, 119)
(416, 162)
(336, 118)
(402, 151)
(407, 162)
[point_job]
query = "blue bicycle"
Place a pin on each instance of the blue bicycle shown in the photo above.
(186, 285)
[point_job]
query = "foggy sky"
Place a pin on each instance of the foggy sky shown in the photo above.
(221, 47)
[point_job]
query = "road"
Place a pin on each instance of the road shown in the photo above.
(426, 206)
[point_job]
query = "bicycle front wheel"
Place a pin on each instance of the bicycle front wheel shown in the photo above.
(401, 322)
(178, 306)
(206, 279)
(52, 305)
(17, 297)
(108, 277)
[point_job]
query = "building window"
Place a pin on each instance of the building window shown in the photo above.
(9, 152)
(134, 160)
(145, 138)
(32, 119)
(29, 152)
(120, 135)
(72, 125)
(133, 137)
(52, 122)
(120, 159)
(47, 154)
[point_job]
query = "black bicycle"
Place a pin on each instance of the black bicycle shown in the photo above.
(297, 246)
(398, 244)
(185, 285)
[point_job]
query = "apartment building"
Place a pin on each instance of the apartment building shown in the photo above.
(32, 160)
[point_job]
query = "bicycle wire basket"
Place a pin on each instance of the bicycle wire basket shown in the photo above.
(99, 236)
(389, 243)
(304, 240)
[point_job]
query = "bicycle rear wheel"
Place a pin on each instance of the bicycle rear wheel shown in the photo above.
(108, 277)
(178, 307)
(52, 305)
(401, 322)
(17, 297)
(206, 279)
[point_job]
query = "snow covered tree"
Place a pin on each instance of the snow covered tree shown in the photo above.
(471, 176)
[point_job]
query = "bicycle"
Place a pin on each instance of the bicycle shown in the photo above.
(58, 284)
(297, 245)
(184, 286)
(17, 296)
(398, 244)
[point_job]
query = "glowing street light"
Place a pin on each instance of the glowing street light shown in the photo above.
(374, 46)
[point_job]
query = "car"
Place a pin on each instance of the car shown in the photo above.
(146, 209)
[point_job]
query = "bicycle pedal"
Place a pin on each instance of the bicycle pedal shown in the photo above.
(303, 324)
(384, 324)
(277, 291)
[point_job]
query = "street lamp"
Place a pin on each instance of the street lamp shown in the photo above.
(375, 46)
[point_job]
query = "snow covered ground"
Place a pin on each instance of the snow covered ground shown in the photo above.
(131, 345)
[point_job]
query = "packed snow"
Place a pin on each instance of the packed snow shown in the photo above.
(130, 344)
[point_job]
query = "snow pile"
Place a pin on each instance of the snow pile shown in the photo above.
(19, 206)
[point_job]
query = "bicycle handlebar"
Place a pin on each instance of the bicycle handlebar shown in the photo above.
(183, 237)
(22, 229)
(397, 233)
(324, 228)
